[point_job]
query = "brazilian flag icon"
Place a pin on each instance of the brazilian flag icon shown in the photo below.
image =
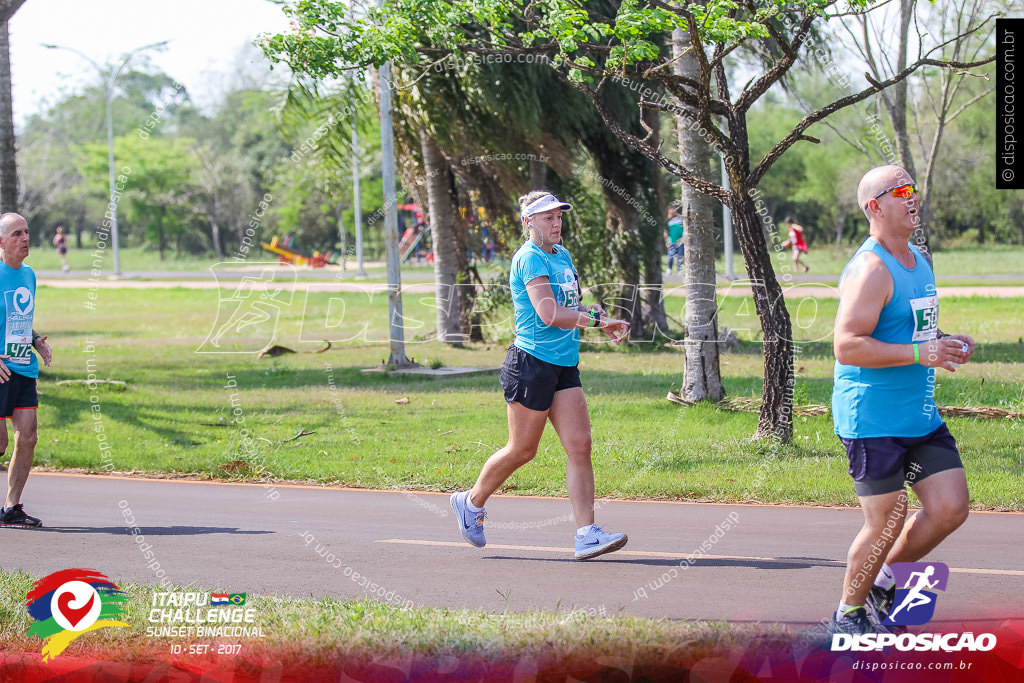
(237, 598)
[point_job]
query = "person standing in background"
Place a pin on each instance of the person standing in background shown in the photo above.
(674, 240)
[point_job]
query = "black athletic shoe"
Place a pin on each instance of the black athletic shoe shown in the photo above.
(855, 622)
(16, 517)
(880, 601)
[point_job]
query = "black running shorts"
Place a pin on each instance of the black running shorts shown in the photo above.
(17, 393)
(532, 382)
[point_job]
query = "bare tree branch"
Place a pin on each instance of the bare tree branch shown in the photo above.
(773, 155)
(695, 181)
(969, 102)
(778, 70)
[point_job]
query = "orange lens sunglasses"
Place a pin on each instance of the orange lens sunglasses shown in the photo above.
(901, 191)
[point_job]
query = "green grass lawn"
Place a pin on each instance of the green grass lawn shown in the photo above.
(132, 258)
(184, 412)
(827, 259)
(953, 266)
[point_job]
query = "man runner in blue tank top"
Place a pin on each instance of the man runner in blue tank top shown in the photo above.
(887, 346)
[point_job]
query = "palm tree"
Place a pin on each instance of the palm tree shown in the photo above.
(8, 157)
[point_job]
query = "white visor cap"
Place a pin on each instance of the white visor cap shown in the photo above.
(545, 203)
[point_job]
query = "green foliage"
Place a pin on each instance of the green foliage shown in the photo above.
(160, 179)
(192, 170)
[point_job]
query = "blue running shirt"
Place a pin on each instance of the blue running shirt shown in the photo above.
(552, 344)
(900, 401)
(17, 308)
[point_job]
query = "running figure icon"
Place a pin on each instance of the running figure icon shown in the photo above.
(915, 596)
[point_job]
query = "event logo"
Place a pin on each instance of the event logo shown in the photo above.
(22, 301)
(916, 583)
(69, 603)
(915, 600)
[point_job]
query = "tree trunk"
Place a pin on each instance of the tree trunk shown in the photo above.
(538, 174)
(625, 243)
(1017, 214)
(441, 216)
(775, 419)
(651, 231)
(623, 234)
(8, 157)
(466, 286)
(215, 227)
(702, 379)
(840, 226)
(79, 226)
(343, 234)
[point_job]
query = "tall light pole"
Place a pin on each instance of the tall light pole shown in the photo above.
(397, 358)
(111, 80)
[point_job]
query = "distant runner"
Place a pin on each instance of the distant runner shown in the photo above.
(797, 242)
(60, 243)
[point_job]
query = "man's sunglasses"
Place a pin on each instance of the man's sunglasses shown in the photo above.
(902, 191)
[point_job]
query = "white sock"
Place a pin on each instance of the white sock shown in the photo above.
(885, 579)
(582, 531)
(844, 608)
(469, 504)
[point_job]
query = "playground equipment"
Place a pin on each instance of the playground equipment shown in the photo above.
(409, 244)
(286, 254)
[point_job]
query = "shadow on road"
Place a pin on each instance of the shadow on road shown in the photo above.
(153, 530)
(778, 563)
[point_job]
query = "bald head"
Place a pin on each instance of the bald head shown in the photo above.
(877, 181)
(10, 220)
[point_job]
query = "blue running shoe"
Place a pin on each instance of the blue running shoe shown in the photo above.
(597, 542)
(471, 524)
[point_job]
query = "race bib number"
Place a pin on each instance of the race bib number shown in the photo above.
(570, 289)
(926, 318)
(18, 333)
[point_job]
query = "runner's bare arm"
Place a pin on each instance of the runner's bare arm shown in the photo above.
(552, 314)
(865, 290)
(45, 352)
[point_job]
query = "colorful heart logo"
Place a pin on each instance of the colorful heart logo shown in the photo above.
(74, 615)
(75, 605)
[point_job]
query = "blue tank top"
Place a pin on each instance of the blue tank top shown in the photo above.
(900, 401)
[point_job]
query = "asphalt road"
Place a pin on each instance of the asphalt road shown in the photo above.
(774, 563)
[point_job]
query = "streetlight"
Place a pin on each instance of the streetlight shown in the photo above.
(111, 81)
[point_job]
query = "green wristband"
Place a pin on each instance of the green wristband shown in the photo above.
(917, 354)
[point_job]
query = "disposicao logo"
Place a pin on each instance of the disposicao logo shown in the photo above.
(914, 604)
(69, 603)
(915, 601)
